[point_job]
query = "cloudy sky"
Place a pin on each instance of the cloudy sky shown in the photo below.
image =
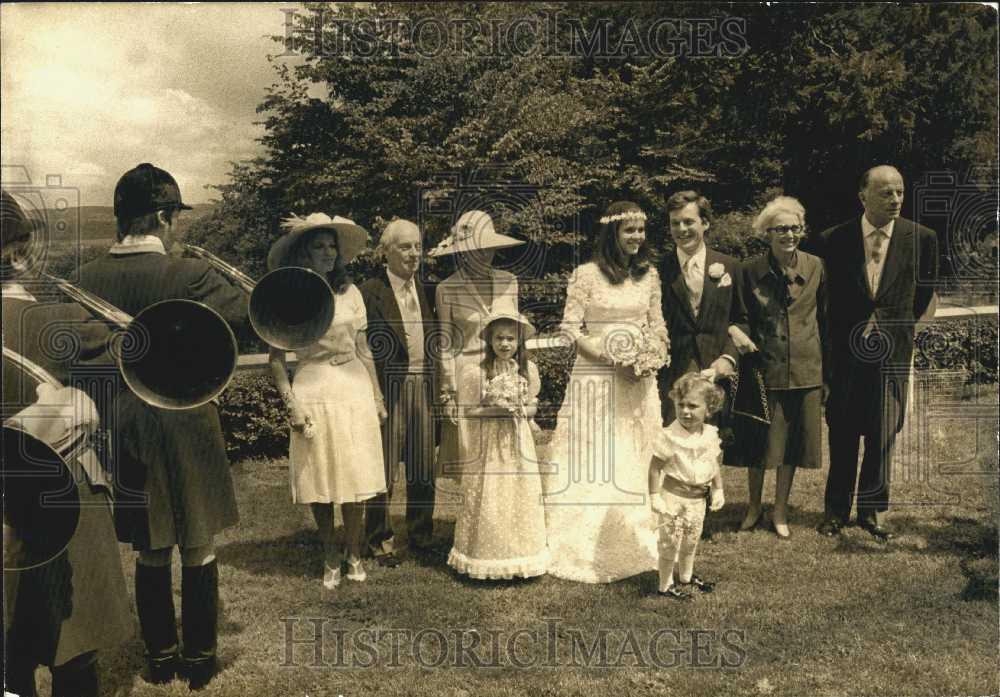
(91, 90)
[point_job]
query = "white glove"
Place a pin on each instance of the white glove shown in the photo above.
(658, 504)
(59, 415)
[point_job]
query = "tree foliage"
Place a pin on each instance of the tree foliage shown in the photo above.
(411, 125)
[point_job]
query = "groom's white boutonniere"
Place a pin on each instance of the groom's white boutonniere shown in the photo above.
(717, 272)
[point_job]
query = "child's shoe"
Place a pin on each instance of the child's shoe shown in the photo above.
(699, 584)
(674, 593)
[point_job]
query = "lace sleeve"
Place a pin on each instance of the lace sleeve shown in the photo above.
(654, 313)
(578, 294)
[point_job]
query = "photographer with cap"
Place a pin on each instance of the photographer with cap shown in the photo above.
(176, 458)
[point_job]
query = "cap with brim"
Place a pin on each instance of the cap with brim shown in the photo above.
(351, 238)
(146, 189)
(527, 329)
(474, 230)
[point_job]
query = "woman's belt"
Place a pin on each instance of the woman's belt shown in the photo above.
(683, 489)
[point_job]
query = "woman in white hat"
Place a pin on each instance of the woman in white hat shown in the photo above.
(335, 404)
(464, 299)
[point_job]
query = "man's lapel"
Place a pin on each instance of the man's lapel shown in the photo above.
(675, 279)
(856, 257)
(900, 244)
(425, 307)
(709, 288)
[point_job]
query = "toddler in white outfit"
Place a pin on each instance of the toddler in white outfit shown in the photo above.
(684, 472)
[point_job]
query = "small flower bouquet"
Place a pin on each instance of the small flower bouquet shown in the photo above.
(309, 431)
(643, 352)
(507, 390)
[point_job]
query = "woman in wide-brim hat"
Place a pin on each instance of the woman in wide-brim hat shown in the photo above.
(475, 291)
(334, 401)
(500, 531)
(287, 249)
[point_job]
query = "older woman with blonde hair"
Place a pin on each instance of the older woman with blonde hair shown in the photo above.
(785, 295)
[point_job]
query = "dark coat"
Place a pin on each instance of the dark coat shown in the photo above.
(791, 334)
(387, 335)
(176, 458)
(696, 343)
(78, 601)
(905, 291)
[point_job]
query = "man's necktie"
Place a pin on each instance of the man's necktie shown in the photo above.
(413, 324)
(410, 296)
(878, 237)
(877, 251)
(694, 287)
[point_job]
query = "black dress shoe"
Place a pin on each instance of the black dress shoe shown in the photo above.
(830, 527)
(880, 532)
(674, 593)
(389, 561)
(699, 584)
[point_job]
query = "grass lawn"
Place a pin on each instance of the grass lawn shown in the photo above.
(813, 616)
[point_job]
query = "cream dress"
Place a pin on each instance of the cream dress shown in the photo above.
(500, 532)
(339, 457)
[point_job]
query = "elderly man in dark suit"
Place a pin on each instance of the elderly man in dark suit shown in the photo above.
(402, 333)
(700, 297)
(881, 270)
(176, 457)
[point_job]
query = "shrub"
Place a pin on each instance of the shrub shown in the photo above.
(254, 418)
(967, 344)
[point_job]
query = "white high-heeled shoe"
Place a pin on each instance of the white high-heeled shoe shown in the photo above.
(356, 570)
(331, 577)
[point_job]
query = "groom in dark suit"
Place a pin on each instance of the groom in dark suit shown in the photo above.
(401, 334)
(881, 270)
(700, 297)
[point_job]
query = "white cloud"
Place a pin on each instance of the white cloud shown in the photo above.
(89, 91)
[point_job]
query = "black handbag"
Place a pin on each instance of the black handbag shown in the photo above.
(746, 415)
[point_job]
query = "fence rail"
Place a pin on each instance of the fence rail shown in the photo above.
(257, 361)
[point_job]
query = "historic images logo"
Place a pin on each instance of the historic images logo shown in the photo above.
(318, 643)
(545, 34)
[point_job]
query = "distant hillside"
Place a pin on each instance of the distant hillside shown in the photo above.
(98, 222)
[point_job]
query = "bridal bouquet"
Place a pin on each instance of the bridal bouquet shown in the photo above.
(507, 390)
(643, 352)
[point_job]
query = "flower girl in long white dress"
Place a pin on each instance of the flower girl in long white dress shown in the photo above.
(500, 532)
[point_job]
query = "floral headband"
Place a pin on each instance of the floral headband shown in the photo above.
(626, 215)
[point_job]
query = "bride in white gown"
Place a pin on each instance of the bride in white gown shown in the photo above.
(598, 519)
